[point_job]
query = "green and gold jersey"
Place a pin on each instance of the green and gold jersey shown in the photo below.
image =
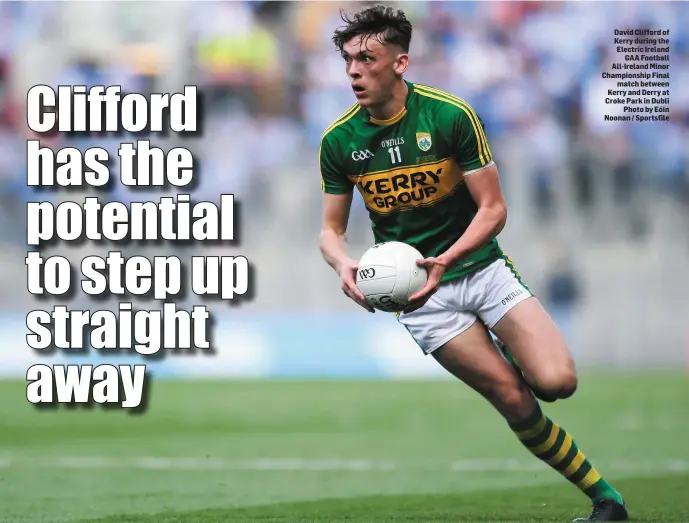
(410, 171)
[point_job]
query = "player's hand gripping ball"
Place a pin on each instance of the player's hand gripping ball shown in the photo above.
(388, 275)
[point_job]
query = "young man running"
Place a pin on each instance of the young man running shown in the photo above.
(420, 159)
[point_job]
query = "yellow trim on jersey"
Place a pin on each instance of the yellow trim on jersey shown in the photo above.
(389, 121)
(485, 154)
(320, 167)
(342, 119)
(472, 113)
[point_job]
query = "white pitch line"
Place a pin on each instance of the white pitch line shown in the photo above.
(661, 465)
(267, 464)
(300, 464)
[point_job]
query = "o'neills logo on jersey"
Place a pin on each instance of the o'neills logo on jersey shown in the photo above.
(405, 188)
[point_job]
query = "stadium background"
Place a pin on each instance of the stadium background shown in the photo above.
(598, 228)
(599, 212)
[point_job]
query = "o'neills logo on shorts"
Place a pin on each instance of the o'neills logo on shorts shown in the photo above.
(406, 188)
(512, 295)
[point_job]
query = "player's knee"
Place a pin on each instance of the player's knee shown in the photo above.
(558, 383)
(510, 397)
(514, 399)
(570, 384)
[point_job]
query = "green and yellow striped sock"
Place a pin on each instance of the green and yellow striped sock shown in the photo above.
(550, 443)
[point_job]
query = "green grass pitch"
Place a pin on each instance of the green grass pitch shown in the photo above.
(317, 452)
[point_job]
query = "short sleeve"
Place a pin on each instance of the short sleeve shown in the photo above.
(333, 178)
(469, 137)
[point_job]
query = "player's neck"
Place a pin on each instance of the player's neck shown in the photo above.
(393, 106)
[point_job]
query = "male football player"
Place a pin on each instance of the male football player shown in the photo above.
(420, 159)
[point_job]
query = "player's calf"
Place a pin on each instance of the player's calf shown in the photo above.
(511, 397)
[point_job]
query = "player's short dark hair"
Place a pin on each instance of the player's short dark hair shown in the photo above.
(387, 25)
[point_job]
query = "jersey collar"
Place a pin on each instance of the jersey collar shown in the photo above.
(389, 121)
(398, 116)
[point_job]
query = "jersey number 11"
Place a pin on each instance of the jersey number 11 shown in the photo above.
(392, 151)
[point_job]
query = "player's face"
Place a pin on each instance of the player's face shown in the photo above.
(373, 69)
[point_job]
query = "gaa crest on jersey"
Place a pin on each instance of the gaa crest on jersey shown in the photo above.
(423, 140)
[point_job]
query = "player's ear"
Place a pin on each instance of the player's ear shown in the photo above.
(401, 63)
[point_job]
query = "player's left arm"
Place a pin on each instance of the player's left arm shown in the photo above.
(488, 222)
(490, 219)
(480, 173)
(481, 176)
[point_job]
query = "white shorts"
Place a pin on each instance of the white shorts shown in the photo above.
(488, 294)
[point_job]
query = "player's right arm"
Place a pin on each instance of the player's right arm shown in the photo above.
(333, 241)
(338, 192)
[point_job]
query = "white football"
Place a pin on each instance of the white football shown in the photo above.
(388, 275)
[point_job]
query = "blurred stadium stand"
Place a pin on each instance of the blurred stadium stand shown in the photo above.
(599, 212)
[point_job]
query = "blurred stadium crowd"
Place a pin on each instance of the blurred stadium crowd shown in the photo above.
(596, 208)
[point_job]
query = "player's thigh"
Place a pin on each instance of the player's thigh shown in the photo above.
(471, 357)
(510, 310)
(539, 347)
(447, 328)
